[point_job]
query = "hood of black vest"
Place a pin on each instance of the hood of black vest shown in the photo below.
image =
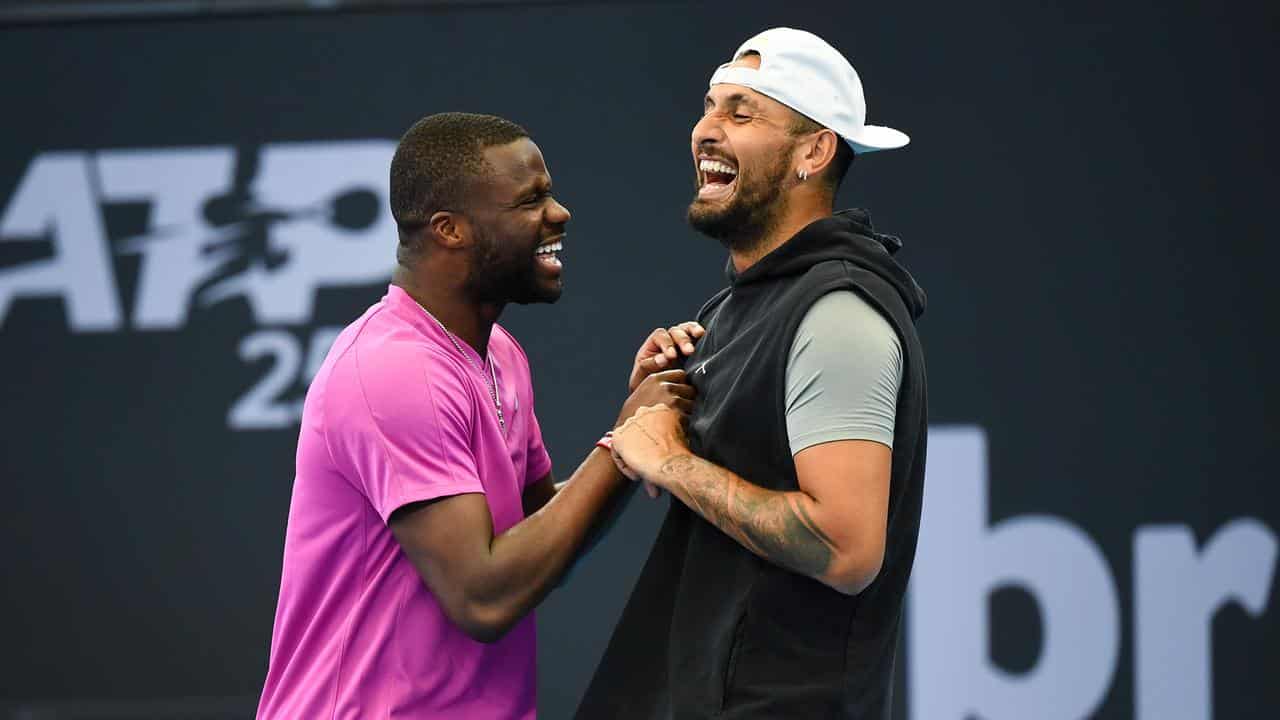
(846, 235)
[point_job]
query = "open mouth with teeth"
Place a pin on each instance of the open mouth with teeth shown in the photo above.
(718, 179)
(548, 254)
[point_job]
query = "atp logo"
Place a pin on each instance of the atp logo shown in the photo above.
(271, 224)
(268, 225)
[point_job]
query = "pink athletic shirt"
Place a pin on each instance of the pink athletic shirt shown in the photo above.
(396, 415)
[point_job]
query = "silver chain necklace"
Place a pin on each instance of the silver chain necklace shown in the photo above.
(493, 388)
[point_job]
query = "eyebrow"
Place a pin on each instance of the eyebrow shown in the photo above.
(733, 101)
(537, 185)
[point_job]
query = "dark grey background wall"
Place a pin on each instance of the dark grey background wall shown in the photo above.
(1087, 199)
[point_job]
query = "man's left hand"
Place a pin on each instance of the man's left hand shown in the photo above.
(662, 350)
(647, 440)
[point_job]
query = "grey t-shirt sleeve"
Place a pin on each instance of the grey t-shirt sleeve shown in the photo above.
(843, 374)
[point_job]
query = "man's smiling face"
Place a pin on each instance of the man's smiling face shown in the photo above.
(742, 151)
(519, 228)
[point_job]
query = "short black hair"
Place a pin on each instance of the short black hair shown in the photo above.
(839, 166)
(436, 159)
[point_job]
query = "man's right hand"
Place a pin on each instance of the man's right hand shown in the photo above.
(661, 350)
(669, 387)
(666, 387)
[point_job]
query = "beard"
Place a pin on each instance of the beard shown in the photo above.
(506, 272)
(750, 213)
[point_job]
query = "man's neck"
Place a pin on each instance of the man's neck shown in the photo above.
(470, 322)
(796, 218)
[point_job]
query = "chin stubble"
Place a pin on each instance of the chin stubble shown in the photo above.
(750, 215)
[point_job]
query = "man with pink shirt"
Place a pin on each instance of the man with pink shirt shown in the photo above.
(425, 524)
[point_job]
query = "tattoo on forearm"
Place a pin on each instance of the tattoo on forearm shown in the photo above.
(773, 525)
(708, 496)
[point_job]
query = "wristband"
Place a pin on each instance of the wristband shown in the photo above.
(606, 442)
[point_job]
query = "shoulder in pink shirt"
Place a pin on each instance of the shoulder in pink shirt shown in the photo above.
(397, 415)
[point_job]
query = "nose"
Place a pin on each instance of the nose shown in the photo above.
(557, 214)
(706, 131)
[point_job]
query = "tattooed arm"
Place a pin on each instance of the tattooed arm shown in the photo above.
(832, 529)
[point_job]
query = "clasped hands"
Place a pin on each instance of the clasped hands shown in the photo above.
(650, 428)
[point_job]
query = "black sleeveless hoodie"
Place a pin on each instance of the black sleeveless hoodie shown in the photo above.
(712, 630)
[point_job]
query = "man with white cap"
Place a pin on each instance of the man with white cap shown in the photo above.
(775, 587)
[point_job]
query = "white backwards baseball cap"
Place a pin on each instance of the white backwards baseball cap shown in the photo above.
(800, 70)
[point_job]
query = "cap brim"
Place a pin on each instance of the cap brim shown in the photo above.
(874, 137)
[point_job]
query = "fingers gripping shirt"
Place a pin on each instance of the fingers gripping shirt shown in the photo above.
(843, 374)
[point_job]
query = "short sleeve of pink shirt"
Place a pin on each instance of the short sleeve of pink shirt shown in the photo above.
(417, 445)
(428, 428)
